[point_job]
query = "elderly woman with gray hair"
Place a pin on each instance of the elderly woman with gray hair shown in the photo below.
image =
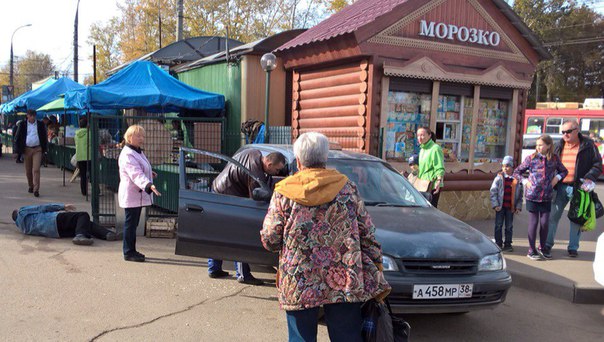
(328, 255)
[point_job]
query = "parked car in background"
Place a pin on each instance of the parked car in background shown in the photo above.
(434, 262)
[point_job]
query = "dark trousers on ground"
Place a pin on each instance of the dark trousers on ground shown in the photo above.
(133, 216)
(504, 215)
(344, 323)
(536, 219)
(83, 165)
(70, 224)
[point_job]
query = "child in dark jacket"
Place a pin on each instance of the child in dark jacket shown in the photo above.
(506, 199)
(545, 171)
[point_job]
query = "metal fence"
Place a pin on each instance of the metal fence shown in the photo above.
(163, 137)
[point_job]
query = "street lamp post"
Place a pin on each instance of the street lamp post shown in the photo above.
(11, 52)
(268, 63)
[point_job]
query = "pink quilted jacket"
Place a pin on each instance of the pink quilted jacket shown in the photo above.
(135, 174)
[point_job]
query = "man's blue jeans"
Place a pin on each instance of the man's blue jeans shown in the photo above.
(344, 323)
(241, 269)
(506, 215)
(562, 196)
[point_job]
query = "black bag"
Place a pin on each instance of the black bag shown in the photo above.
(380, 325)
(597, 204)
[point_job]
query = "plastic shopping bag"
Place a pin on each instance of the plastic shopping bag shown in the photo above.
(379, 325)
(590, 224)
(578, 212)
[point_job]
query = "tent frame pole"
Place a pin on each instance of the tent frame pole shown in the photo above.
(64, 149)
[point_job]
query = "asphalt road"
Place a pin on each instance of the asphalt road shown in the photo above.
(52, 290)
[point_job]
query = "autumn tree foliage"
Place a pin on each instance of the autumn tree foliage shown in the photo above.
(31, 67)
(146, 25)
(572, 33)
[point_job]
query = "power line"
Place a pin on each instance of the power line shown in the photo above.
(575, 41)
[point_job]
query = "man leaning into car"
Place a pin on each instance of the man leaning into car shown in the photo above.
(234, 181)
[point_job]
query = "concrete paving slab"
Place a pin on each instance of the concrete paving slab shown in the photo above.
(562, 276)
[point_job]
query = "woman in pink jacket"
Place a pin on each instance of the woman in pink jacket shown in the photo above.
(136, 187)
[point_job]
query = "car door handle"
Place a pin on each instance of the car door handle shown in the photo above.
(192, 207)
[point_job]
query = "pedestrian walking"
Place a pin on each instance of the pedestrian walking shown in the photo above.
(506, 200)
(580, 156)
(135, 189)
(83, 154)
(328, 254)
(545, 171)
(31, 141)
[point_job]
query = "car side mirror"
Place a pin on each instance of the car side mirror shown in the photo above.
(262, 194)
(427, 195)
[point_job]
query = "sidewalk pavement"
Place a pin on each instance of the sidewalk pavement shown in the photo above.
(562, 277)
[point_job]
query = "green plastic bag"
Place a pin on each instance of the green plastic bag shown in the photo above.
(590, 224)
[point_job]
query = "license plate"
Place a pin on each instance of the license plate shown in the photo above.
(442, 291)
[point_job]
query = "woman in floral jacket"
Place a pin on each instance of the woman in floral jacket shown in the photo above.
(328, 253)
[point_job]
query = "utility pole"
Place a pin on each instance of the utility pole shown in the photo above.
(159, 19)
(94, 64)
(179, 22)
(75, 44)
(537, 88)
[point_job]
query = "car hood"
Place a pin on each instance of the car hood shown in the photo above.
(427, 233)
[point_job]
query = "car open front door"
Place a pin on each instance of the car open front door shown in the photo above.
(219, 226)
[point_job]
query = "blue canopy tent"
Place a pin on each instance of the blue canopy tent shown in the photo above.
(10, 107)
(143, 84)
(41, 96)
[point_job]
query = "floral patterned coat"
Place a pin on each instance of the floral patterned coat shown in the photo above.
(328, 252)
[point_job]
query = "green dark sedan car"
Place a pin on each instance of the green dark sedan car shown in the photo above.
(434, 262)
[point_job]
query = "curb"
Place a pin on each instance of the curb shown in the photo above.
(554, 285)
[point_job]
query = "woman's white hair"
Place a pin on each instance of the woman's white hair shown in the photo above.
(312, 149)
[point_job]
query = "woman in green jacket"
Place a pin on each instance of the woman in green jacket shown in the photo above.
(431, 162)
(83, 154)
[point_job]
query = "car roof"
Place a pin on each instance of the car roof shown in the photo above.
(288, 151)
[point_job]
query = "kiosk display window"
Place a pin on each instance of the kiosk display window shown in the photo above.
(466, 130)
(448, 126)
(406, 112)
(491, 130)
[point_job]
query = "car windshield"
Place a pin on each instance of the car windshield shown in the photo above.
(378, 184)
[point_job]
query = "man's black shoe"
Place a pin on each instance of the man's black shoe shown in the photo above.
(573, 254)
(250, 281)
(111, 236)
(136, 257)
(82, 240)
(218, 274)
(36, 193)
(30, 190)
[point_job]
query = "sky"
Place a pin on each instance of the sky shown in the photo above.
(52, 30)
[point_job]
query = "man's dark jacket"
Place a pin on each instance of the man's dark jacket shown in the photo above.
(21, 135)
(233, 181)
(589, 160)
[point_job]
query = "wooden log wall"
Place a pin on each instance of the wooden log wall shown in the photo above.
(332, 101)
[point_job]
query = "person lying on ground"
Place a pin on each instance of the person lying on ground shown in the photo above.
(58, 220)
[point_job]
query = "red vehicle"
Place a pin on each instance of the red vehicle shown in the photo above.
(549, 121)
(539, 121)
